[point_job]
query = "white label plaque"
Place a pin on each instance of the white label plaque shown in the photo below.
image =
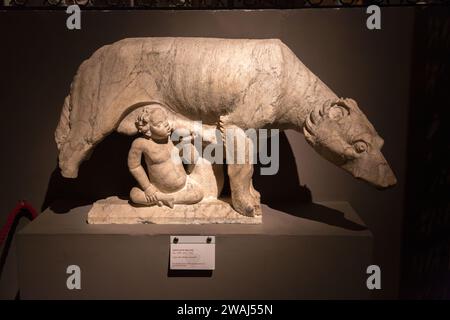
(192, 252)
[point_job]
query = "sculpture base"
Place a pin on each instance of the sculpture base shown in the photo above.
(114, 210)
(311, 251)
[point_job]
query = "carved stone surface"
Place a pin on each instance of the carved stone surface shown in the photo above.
(118, 211)
(226, 84)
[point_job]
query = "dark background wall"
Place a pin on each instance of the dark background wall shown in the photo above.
(425, 268)
(39, 57)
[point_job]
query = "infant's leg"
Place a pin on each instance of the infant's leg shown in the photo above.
(138, 196)
(189, 195)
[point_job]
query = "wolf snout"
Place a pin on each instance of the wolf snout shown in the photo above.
(387, 177)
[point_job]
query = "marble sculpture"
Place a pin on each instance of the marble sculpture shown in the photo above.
(153, 87)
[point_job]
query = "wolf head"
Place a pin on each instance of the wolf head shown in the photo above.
(341, 133)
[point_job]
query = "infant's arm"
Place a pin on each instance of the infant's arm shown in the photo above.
(135, 166)
(185, 128)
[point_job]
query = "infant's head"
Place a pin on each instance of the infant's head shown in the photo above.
(153, 122)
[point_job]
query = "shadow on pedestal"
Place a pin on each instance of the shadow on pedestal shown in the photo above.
(284, 192)
(104, 174)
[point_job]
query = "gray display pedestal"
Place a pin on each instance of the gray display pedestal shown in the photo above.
(286, 257)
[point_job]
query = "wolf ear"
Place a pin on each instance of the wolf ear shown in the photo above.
(350, 102)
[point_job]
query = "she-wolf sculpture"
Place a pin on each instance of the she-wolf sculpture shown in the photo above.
(240, 83)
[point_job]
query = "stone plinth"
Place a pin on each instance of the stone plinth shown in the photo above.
(316, 251)
(114, 210)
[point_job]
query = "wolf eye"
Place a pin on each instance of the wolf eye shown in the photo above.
(360, 146)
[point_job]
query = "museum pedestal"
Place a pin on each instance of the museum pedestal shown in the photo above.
(309, 251)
